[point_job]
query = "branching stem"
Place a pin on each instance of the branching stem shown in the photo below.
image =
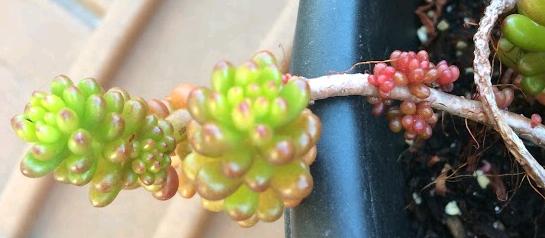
(357, 84)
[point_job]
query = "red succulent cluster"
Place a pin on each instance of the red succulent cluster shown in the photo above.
(417, 119)
(418, 74)
(383, 78)
(415, 71)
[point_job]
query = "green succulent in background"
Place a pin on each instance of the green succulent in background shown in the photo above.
(522, 46)
(534, 9)
(252, 140)
(85, 135)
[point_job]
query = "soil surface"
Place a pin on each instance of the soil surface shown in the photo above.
(463, 182)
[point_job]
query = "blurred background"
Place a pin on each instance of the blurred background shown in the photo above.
(146, 47)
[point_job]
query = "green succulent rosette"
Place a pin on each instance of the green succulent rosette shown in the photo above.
(252, 140)
(84, 135)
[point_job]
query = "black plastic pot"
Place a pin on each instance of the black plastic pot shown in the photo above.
(358, 184)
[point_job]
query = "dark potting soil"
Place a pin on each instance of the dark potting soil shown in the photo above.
(443, 173)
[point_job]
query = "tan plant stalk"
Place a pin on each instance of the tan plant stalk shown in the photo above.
(357, 84)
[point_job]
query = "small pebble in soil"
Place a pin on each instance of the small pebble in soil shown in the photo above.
(498, 225)
(443, 25)
(452, 209)
(430, 14)
(461, 45)
(497, 209)
(417, 199)
(482, 179)
(422, 34)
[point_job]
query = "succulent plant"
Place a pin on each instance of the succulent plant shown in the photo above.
(533, 9)
(415, 71)
(246, 149)
(252, 141)
(522, 46)
(85, 135)
(524, 32)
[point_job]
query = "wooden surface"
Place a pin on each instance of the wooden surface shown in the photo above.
(107, 46)
(98, 7)
(181, 42)
(23, 62)
(38, 41)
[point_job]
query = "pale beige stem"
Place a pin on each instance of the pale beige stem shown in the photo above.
(357, 84)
